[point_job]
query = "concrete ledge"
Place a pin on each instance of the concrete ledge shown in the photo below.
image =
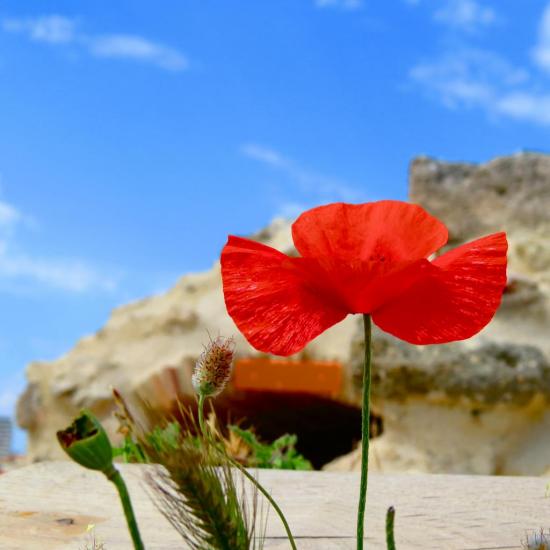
(49, 505)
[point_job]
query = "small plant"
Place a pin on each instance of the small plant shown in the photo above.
(212, 372)
(197, 492)
(194, 485)
(192, 482)
(93, 542)
(131, 450)
(390, 519)
(281, 453)
(241, 444)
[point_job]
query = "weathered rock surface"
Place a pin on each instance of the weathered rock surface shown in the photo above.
(488, 375)
(455, 409)
(509, 193)
(148, 349)
(480, 406)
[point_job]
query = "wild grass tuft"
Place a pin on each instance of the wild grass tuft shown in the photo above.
(203, 498)
(194, 487)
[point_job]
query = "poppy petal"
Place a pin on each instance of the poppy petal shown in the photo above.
(269, 297)
(389, 231)
(456, 298)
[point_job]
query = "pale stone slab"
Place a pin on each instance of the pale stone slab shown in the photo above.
(49, 506)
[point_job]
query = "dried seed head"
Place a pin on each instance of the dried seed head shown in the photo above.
(213, 368)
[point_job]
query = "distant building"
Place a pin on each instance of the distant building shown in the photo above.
(5, 436)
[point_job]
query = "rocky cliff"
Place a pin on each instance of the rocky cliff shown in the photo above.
(479, 406)
(147, 349)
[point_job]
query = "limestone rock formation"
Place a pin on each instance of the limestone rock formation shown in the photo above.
(479, 406)
(457, 409)
(148, 349)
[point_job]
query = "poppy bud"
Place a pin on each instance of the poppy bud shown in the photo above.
(213, 368)
(86, 442)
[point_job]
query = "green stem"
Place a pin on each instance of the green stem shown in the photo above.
(250, 477)
(114, 475)
(201, 416)
(269, 498)
(390, 540)
(365, 420)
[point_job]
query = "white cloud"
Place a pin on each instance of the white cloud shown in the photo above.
(541, 52)
(473, 78)
(312, 187)
(469, 77)
(309, 181)
(265, 155)
(9, 216)
(478, 79)
(53, 29)
(466, 15)
(124, 46)
(349, 5)
(60, 30)
(63, 274)
(23, 270)
(530, 107)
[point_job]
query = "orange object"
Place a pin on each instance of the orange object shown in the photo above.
(281, 375)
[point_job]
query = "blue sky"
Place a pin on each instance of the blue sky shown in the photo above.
(134, 138)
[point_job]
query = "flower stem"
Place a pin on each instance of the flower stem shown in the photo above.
(390, 540)
(114, 475)
(201, 416)
(365, 420)
(249, 476)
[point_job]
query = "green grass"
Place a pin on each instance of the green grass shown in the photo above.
(243, 444)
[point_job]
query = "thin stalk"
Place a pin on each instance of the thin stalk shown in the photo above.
(269, 498)
(114, 476)
(201, 416)
(249, 476)
(365, 429)
(390, 540)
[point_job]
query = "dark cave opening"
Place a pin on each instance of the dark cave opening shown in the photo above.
(326, 428)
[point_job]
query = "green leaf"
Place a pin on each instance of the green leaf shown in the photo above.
(280, 454)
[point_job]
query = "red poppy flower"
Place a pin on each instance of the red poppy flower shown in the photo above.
(365, 258)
